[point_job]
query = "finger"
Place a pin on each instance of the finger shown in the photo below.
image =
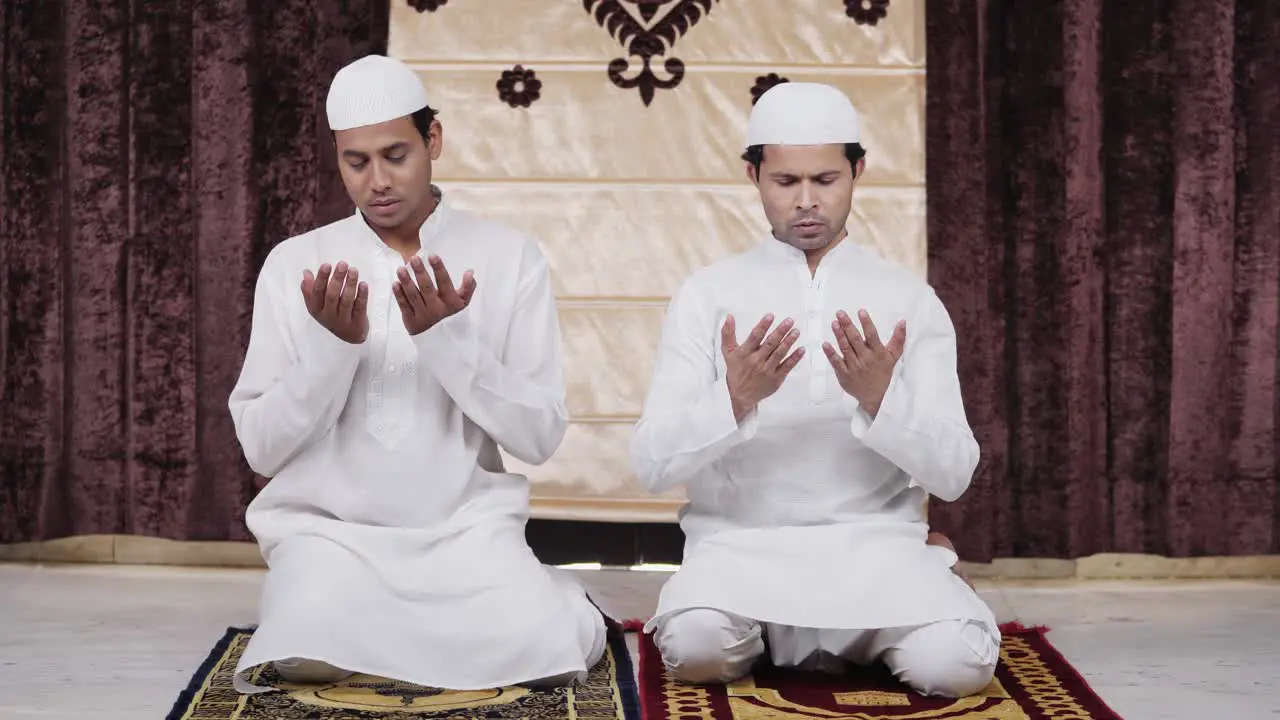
(412, 293)
(348, 299)
(779, 355)
(757, 333)
(361, 305)
(869, 331)
(898, 342)
(318, 289)
(444, 283)
(856, 345)
(849, 357)
(468, 287)
(308, 286)
(775, 339)
(425, 286)
(333, 293)
(728, 337)
(792, 360)
(837, 362)
(402, 298)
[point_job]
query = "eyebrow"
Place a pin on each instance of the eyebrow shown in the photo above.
(357, 155)
(784, 174)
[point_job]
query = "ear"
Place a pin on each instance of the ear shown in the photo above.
(435, 139)
(857, 171)
(752, 175)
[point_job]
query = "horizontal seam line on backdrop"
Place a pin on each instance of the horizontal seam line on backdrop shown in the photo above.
(648, 183)
(598, 66)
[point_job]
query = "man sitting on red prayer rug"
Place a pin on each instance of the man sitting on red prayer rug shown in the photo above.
(807, 475)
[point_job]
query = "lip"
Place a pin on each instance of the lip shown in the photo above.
(383, 206)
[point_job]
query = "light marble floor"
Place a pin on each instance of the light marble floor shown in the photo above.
(120, 642)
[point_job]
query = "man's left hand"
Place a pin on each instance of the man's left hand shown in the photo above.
(864, 365)
(423, 303)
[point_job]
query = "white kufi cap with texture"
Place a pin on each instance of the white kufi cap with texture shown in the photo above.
(372, 90)
(798, 113)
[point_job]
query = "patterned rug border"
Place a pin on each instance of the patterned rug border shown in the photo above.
(617, 639)
(188, 695)
(651, 696)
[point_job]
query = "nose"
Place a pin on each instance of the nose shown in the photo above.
(381, 178)
(807, 199)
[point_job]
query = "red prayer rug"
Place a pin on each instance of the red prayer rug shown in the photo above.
(1032, 682)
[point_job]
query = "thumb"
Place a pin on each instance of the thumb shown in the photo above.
(898, 343)
(728, 336)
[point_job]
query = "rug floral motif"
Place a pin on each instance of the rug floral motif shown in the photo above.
(1032, 682)
(609, 693)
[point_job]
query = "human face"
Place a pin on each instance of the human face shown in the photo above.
(387, 171)
(806, 191)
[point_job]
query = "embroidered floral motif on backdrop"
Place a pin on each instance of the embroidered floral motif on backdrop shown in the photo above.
(647, 31)
(867, 12)
(764, 83)
(519, 87)
(427, 5)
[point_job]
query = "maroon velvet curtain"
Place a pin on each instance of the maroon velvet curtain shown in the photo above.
(1104, 212)
(152, 154)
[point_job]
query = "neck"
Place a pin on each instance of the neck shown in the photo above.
(406, 238)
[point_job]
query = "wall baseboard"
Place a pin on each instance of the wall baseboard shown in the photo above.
(625, 546)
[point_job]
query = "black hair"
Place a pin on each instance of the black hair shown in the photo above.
(422, 120)
(854, 151)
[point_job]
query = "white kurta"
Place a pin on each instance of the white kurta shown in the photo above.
(394, 538)
(808, 513)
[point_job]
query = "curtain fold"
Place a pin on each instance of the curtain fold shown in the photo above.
(1103, 222)
(153, 153)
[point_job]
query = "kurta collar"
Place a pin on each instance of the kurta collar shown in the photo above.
(427, 234)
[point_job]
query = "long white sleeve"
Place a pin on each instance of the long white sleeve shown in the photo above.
(518, 398)
(291, 389)
(688, 420)
(921, 426)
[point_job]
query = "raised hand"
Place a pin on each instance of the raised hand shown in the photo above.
(339, 301)
(864, 365)
(757, 367)
(422, 303)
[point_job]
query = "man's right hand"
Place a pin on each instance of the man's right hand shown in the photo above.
(757, 367)
(338, 301)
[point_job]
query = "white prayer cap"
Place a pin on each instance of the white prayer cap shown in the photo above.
(799, 113)
(372, 90)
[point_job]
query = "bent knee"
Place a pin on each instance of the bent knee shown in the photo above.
(704, 646)
(951, 659)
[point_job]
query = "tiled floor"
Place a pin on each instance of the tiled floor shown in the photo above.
(119, 643)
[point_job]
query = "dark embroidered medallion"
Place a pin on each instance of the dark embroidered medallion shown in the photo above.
(764, 83)
(650, 31)
(867, 12)
(406, 693)
(519, 87)
(427, 5)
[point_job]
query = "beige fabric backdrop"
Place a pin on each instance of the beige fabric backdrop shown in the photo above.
(628, 198)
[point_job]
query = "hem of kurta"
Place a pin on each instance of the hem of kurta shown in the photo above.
(243, 685)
